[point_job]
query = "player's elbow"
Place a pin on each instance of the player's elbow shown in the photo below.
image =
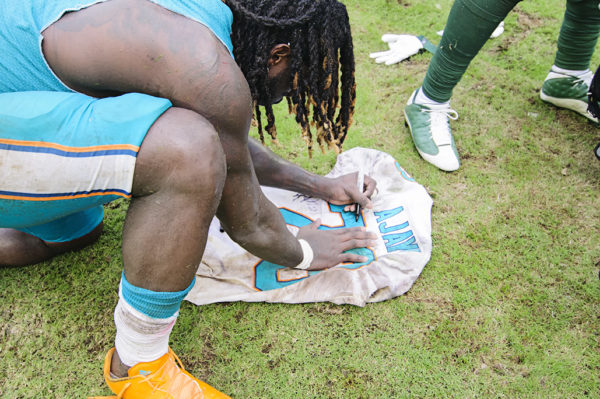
(232, 103)
(250, 234)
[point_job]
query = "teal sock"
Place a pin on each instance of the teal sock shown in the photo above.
(153, 303)
(144, 320)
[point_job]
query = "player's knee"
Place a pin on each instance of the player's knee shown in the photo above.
(182, 152)
(199, 156)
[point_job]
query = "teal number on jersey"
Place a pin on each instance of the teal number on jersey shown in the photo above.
(265, 273)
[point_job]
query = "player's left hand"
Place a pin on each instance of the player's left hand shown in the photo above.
(331, 247)
(343, 190)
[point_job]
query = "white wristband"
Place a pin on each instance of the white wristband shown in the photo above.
(307, 254)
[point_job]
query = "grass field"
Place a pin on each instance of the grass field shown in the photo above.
(508, 306)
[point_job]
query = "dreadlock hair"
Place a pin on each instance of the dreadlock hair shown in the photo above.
(322, 57)
(593, 102)
(594, 95)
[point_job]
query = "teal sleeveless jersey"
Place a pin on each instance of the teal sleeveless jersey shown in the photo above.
(22, 65)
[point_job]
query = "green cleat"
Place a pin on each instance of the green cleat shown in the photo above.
(570, 92)
(430, 130)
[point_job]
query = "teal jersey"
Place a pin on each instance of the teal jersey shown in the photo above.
(22, 64)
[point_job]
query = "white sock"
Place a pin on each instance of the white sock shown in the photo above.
(140, 338)
(569, 71)
(422, 99)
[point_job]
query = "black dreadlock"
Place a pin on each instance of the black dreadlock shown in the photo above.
(322, 56)
(593, 102)
(594, 95)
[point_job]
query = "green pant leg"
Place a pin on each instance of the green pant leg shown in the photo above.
(578, 34)
(469, 26)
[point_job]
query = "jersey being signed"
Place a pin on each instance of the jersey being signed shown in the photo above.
(401, 218)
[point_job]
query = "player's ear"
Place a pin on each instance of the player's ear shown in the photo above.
(278, 53)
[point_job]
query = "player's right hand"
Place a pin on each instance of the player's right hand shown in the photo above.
(343, 190)
(329, 246)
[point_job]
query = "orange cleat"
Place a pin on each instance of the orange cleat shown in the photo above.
(164, 378)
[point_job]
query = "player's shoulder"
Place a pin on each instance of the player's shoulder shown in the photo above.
(214, 14)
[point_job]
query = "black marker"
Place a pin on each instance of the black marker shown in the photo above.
(360, 183)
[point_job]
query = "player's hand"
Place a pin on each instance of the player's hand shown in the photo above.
(329, 245)
(401, 47)
(343, 190)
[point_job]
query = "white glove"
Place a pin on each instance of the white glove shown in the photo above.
(401, 47)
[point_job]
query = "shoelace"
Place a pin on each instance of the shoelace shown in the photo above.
(440, 128)
(158, 382)
(586, 78)
(582, 80)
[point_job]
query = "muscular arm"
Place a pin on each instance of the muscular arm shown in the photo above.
(136, 46)
(274, 171)
(248, 216)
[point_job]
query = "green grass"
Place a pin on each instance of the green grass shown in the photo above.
(508, 306)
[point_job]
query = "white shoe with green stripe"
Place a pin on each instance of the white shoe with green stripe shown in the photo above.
(570, 92)
(430, 129)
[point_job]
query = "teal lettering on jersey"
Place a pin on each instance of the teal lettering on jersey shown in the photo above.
(384, 229)
(382, 215)
(403, 172)
(265, 273)
(403, 241)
